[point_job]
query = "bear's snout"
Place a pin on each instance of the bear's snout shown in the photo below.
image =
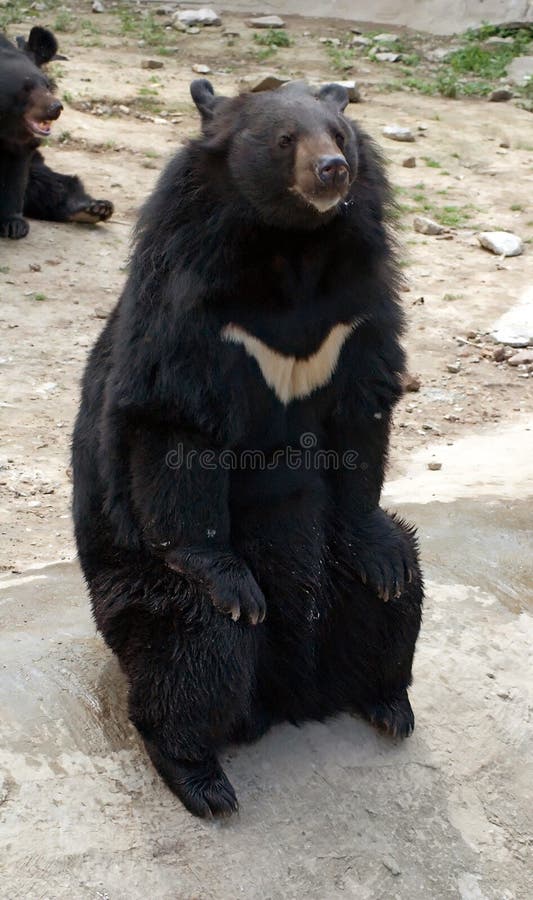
(332, 171)
(54, 110)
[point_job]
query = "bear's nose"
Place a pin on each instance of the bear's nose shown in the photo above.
(55, 109)
(332, 170)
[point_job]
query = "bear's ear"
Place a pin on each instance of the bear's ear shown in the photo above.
(334, 94)
(203, 94)
(41, 44)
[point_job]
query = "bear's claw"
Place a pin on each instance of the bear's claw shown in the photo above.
(394, 717)
(93, 211)
(14, 227)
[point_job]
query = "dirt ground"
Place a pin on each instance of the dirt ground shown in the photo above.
(474, 162)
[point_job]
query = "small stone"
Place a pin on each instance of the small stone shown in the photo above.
(398, 133)
(387, 57)
(501, 353)
(391, 865)
(203, 16)
(501, 95)
(505, 142)
(125, 110)
(502, 243)
(496, 39)
(177, 25)
(440, 54)
(454, 368)
(427, 226)
(201, 69)
(360, 41)
(151, 64)
(98, 6)
(193, 30)
(409, 163)
(386, 38)
(522, 358)
(266, 22)
(520, 70)
(269, 82)
(334, 42)
(411, 383)
(35, 267)
(434, 466)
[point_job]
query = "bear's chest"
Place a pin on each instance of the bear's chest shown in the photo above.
(289, 375)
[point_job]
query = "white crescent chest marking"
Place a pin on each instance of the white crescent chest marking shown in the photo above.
(292, 378)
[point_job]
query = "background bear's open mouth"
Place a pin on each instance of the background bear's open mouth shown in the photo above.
(40, 128)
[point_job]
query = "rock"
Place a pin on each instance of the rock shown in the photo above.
(360, 41)
(496, 39)
(354, 94)
(386, 57)
(427, 226)
(520, 70)
(193, 30)
(334, 42)
(501, 353)
(454, 368)
(398, 133)
(177, 25)
(97, 7)
(411, 383)
(505, 142)
(151, 64)
(386, 38)
(503, 243)
(201, 69)
(440, 54)
(434, 466)
(501, 95)
(409, 163)
(266, 22)
(203, 16)
(390, 863)
(515, 327)
(522, 358)
(270, 82)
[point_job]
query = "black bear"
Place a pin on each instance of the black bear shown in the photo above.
(27, 109)
(230, 448)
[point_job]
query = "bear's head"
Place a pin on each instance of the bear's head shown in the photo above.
(290, 152)
(27, 103)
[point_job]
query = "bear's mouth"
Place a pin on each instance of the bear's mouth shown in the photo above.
(40, 128)
(320, 202)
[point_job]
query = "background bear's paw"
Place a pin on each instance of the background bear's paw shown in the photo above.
(394, 717)
(203, 787)
(93, 211)
(15, 227)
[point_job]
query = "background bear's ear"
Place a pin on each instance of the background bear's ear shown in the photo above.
(334, 94)
(203, 94)
(41, 44)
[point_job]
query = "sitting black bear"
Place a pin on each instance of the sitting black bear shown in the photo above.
(230, 448)
(27, 110)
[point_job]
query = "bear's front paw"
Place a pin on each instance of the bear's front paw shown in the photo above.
(386, 556)
(231, 586)
(14, 227)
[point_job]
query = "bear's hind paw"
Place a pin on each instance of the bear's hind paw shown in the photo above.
(394, 717)
(203, 787)
(92, 212)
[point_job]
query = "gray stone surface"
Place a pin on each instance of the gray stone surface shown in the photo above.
(515, 327)
(520, 69)
(502, 243)
(330, 810)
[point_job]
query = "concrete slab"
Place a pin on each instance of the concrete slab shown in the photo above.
(328, 810)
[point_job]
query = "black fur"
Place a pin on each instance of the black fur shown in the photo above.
(27, 185)
(234, 595)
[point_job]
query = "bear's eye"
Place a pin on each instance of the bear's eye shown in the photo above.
(285, 140)
(340, 139)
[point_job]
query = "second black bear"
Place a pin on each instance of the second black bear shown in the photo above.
(230, 448)
(27, 109)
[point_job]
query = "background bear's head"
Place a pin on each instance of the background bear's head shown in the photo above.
(290, 152)
(27, 102)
